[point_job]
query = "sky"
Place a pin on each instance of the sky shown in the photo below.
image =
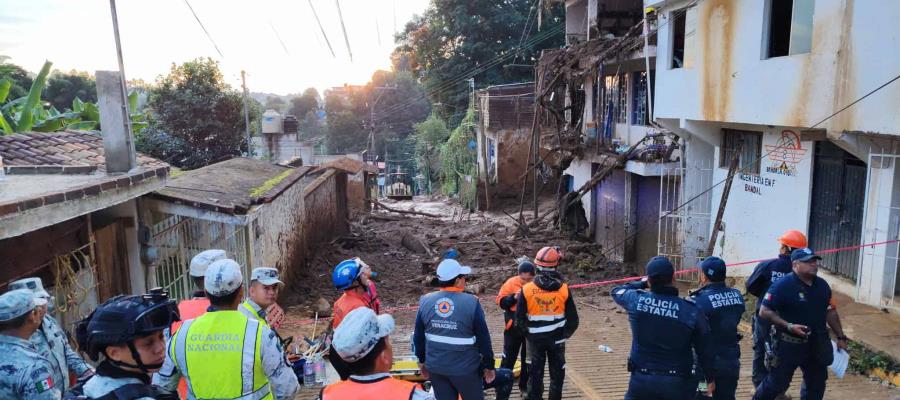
(156, 33)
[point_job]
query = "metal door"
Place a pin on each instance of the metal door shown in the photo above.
(838, 195)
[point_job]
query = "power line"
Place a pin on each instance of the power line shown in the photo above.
(321, 28)
(337, 3)
(208, 36)
(277, 36)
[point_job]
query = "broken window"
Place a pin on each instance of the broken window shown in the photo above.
(684, 24)
(748, 143)
(639, 111)
(790, 27)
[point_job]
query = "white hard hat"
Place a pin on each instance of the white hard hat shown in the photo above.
(223, 277)
(359, 332)
(201, 261)
(36, 286)
(266, 276)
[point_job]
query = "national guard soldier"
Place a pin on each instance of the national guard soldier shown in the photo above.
(224, 355)
(50, 340)
(24, 373)
(666, 332)
(723, 307)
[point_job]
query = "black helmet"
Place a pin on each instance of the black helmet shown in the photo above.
(122, 319)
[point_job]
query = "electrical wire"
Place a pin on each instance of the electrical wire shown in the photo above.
(277, 36)
(337, 3)
(321, 28)
(208, 36)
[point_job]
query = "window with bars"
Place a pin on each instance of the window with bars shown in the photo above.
(622, 100)
(749, 143)
(639, 110)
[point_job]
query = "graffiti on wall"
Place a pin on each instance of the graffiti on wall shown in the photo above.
(785, 154)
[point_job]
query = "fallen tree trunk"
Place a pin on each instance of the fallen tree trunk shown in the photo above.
(411, 212)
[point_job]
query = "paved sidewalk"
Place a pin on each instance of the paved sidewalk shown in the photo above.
(592, 374)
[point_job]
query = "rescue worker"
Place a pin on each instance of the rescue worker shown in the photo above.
(723, 307)
(128, 332)
(666, 331)
(514, 339)
(24, 372)
(198, 303)
(797, 305)
(264, 286)
(546, 314)
(451, 337)
(50, 340)
(224, 355)
(764, 275)
(362, 341)
(350, 276)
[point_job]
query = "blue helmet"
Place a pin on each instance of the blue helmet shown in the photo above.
(345, 274)
(451, 254)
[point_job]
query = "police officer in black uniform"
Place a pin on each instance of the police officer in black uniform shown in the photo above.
(666, 331)
(796, 305)
(764, 275)
(723, 307)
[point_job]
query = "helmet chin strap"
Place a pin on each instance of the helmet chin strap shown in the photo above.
(145, 368)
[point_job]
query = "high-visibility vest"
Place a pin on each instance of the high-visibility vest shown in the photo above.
(546, 310)
(190, 309)
(383, 389)
(253, 312)
(219, 355)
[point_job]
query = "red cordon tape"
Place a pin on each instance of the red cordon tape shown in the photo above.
(629, 279)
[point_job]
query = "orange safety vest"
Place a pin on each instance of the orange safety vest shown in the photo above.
(546, 309)
(348, 301)
(386, 388)
(512, 286)
(188, 309)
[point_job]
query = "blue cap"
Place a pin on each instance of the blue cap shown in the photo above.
(660, 266)
(804, 255)
(713, 267)
(526, 266)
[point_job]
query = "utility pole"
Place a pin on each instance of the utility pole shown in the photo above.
(246, 114)
(129, 136)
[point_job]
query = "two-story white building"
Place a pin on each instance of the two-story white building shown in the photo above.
(794, 86)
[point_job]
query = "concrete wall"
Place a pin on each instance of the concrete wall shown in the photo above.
(281, 147)
(581, 173)
(278, 228)
(731, 80)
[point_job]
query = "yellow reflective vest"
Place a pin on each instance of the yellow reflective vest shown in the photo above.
(219, 355)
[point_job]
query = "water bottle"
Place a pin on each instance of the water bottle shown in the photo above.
(309, 372)
(320, 370)
(604, 348)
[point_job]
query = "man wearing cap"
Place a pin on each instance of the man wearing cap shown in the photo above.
(723, 307)
(50, 340)
(362, 342)
(514, 339)
(764, 275)
(546, 314)
(198, 303)
(797, 305)
(666, 331)
(451, 337)
(24, 372)
(264, 285)
(222, 354)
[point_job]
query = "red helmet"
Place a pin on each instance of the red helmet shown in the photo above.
(548, 257)
(793, 239)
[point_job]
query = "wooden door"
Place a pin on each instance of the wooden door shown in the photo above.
(111, 251)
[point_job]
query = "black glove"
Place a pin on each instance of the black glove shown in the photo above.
(508, 302)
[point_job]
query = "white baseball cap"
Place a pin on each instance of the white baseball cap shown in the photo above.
(201, 261)
(223, 277)
(359, 332)
(266, 276)
(36, 286)
(449, 269)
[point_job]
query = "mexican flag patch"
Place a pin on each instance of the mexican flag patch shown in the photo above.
(768, 296)
(44, 385)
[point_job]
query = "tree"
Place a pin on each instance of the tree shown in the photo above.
(345, 133)
(305, 103)
(194, 104)
(429, 136)
(276, 103)
(63, 88)
(454, 37)
(18, 77)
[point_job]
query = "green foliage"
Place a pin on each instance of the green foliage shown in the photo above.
(305, 103)
(453, 37)
(863, 360)
(64, 88)
(204, 115)
(345, 132)
(27, 112)
(311, 126)
(429, 136)
(18, 79)
(458, 160)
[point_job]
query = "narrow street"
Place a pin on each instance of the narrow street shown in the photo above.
(590, 373)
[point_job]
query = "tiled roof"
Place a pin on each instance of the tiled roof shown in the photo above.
(60, 148)
(349, 165)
